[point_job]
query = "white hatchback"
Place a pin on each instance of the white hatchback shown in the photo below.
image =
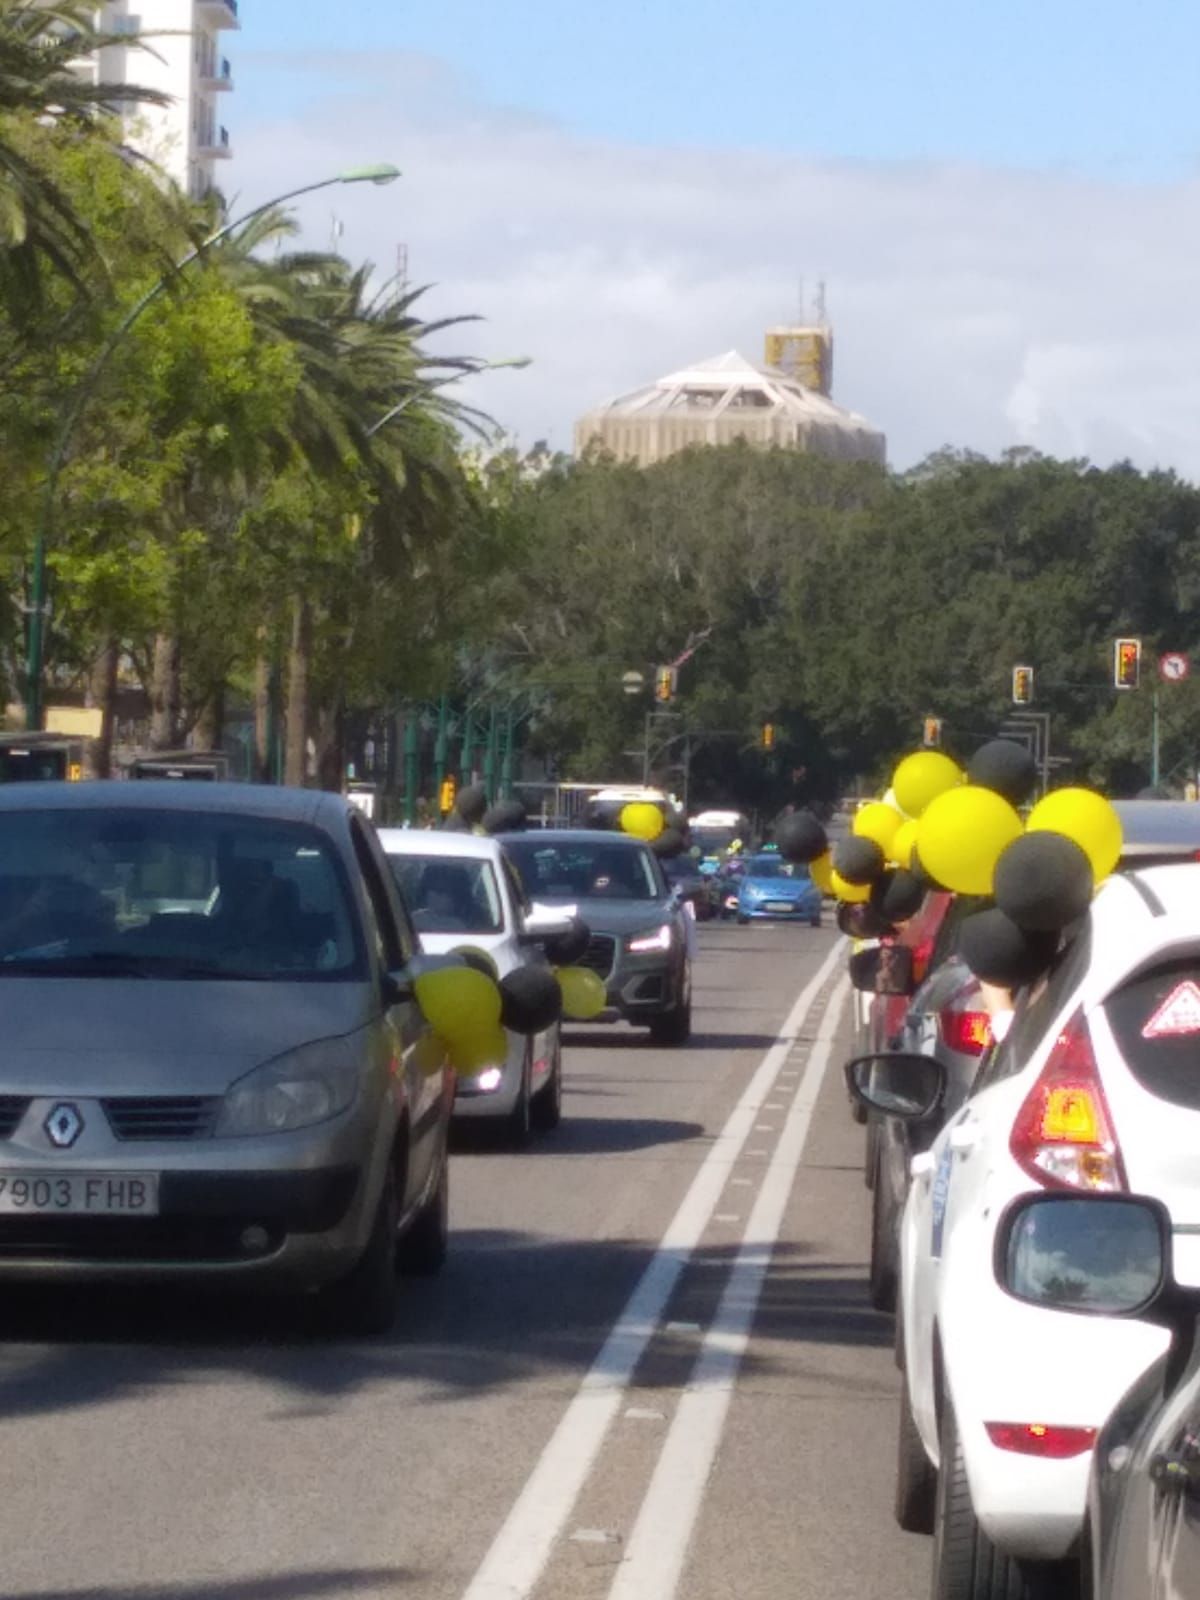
(1097, 1088)
(461, 890)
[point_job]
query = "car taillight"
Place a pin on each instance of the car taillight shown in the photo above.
(968, 1032)
(1041, 1439)
(1063, 1135)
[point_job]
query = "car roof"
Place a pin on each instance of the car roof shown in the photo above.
(1150, 826)
(574, 836)
(429, 842)
(235, 799)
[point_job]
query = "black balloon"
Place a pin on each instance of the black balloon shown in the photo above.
(472, 802)
(999, 952)
(506, 816)
(1007, 768)
(568, 949)
(857, 860)
(800, 837)
(531, 1000)
(897, 895)
(670, 843)
(1044, 881)
(860, 920)
(480, 960)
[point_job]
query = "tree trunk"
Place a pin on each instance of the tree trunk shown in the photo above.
(102, 695)
(262, 714)
(210, 724)
(331, 748)
(295, 770)
(165, 694)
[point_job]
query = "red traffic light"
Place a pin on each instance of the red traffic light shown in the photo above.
(1127, 663)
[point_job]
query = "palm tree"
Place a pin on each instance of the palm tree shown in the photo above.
(49, 88)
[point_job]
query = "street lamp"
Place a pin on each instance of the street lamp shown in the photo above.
(379, 175)
(421, 390)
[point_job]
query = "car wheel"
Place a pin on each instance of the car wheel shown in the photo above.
(675, 1026)
(364, 1301)
(547, 1103)
(884, 1266)
(916, 1476)
(518, 1125)
(742, 920)
(421, 1251)
(966, 1564)
(871, 1154)
(814, 922)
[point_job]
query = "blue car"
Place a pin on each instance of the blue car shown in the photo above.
(773, 888)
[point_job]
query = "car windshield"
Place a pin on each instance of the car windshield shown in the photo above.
(774, 867)
(112, 893)
(584, 870)
(449, 896)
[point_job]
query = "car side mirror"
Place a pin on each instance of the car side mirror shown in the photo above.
(1099, 1255)
(885, 969)
(398, 987)
(910, 1087)
(541, 924)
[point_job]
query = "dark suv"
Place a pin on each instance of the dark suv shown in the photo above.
(641, 930)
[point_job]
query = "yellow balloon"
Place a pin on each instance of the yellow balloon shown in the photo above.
(583, 992)
(429, 1055)
(962, 834)
(921, 777)
(458, 1002)
(880, 822)
(904, 843)
(1087, 818)
(642, 820)
(853, 893)
(477, 1052)
(821, 872)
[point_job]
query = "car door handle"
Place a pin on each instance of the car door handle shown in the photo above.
(965, 1136)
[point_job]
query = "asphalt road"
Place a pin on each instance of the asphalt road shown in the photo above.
(650, 1369)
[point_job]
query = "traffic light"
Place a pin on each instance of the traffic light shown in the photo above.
(1127, 663)
(1022, 686)
(768, 736)
(932, 736)
(664, 685)
(447, 795)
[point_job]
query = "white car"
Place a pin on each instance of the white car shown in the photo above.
(1095, 1088)
(461, 890)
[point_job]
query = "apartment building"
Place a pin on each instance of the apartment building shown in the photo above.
(186, 59)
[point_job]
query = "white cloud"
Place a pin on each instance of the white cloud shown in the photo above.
(976, 307)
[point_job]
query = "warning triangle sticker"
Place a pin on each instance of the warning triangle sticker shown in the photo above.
(1178, 1015)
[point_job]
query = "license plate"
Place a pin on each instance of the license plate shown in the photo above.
(779, 905)
(79, 1194)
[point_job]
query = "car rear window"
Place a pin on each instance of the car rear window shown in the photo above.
(1155, 1019)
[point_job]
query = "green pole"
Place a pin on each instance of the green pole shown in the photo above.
(411, 766)
(491, 753)
(1154, 746)
(507, 760)
(439, 748)
(468, 747)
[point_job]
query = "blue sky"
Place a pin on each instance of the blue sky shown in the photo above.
(1103, 85)
(1003, 196)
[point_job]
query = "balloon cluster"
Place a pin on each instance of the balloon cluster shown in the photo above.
(940, 827)
(473, 814)
(470, 1007)
(644, 820)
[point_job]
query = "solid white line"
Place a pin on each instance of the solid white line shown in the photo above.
(519, 1552)
(656, 1550)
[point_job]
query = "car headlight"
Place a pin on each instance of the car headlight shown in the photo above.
(297, 1090)
(658, 939)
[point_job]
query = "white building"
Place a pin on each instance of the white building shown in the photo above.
(184, 59)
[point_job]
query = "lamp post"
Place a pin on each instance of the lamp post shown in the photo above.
(420, 390)
(35, 639)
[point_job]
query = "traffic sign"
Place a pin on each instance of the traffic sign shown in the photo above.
(1175, 667)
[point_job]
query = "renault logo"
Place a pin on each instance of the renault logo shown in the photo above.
(63, 1126)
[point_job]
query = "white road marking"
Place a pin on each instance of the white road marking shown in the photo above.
(644, 1414)
(746, 1181)
(518, 1554)
(658, 1545)
(594, 1536)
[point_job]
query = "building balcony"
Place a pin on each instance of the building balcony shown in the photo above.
(216, 77)
(214, 146)
(219, 13)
